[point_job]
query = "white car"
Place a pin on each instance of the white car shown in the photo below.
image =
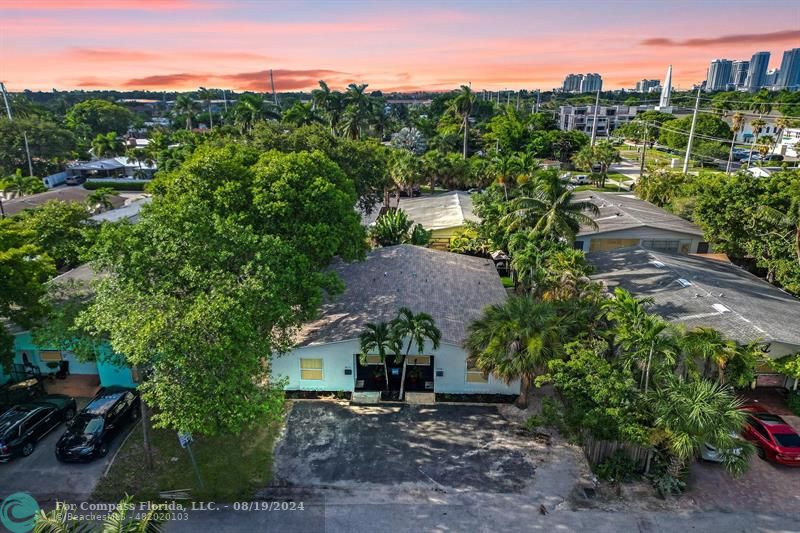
(711, 454)
(580, 179)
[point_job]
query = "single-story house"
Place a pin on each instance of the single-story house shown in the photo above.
(696, 291)
(445, 214)
(625, 220)
(452, 288)
(129, 212)
(32, 360)
(112, 167)
(65, 194)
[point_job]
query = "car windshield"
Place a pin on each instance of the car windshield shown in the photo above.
(87, 424)
(788, 440)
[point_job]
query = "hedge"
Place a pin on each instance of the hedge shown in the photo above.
(116, 185)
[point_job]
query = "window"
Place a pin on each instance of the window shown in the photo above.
(662, 245)
(419, 360)
(310, 368)
(34, 420)
(50, 356)
(373, 360)
(476, 375)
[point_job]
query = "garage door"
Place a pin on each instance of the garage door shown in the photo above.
(600, 245)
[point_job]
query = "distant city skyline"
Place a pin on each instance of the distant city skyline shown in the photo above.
(184, 44)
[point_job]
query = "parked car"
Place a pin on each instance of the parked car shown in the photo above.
(75, 180)
(90, 434)
(22, 426)
(712, 454)
(775, 440)
(12, 394)
(580, 179)
(415, 191)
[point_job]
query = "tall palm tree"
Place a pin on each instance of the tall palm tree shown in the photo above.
(462, 106)
(689, 414)
(250, 108)
(206, 96)
(756, 125)
(186, 107)
(503, 166)
(17, 185)
(100, 199)
(642, 344)
(379, 338)
(766, 145)
(781, 123)
(301, 114)
(406, 170)
(330, 103)
(358, 110)
(737, 122)
(710, 346)
(790, 219)
(550, 211)
(106, 145)
(117, 521)
(417, 329)
(515, 340)
(526, 164)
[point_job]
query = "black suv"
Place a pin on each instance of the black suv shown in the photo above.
(91, 432)
(12, 394)
(22, 426)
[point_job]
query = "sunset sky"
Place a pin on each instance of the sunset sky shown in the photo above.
(405, 45)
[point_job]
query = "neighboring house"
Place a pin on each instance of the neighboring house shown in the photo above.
(763, 172)
(112, 167)
(84, 378)
(128, 212)
(65, 194)
(452, 288)
(625, 220)
(789, 143)
(696, 291)
(445, 214)
(609, 118)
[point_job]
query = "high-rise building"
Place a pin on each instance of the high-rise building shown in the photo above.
(582, 83)
(757, 72)
(789, 76)
(645, 86)
(739, 73)
(771, 79)
(666, 92)
(591, 83)
(719, 75)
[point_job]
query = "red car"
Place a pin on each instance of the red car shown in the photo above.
(775, 440)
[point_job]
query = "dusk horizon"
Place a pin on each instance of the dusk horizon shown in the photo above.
(184, 44)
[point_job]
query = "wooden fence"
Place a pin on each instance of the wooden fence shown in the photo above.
(598, 451)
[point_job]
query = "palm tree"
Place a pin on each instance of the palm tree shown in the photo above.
(550, 211)
(710, 346)
(765, 147)
(516, 339)
(106, 145)
(116, 521)
(503, 166)
(17, 185)
(394, 227)
(781, 123)
(689, 414)
(641, 344)
(406, 170)
(418, 329)
(790, 219)
(301, 114)
(250, 108)
(737, 122)
(206, 96)
(186, 107)
(379, 338)
(99, 200)
(462, 106)
(755, 125)
(358, 110)
(526, 165)
(603, 154)
(330, 103)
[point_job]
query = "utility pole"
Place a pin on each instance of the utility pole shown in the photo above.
(24, 133)
(644, 150)
(538, 97)
(272, 83)
(518, 99)
(691, 134)
(594, 120)
(508, 98)
(225, 99)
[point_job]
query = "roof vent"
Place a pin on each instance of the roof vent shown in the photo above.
(684, 282)
(721, 308)
(657, 264)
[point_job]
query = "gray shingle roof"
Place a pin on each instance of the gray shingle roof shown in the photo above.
(723, 296)
(64, 193)
(452, 288)
(620, 211)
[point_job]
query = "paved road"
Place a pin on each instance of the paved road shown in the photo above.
(46, 479)
(443, 518)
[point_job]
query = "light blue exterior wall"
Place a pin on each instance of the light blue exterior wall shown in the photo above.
(108, 373)
(336, 357)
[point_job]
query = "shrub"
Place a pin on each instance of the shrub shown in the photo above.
(617, 468)
(793, 402)
(92, 185)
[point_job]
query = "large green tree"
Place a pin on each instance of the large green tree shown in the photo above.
(97, 117)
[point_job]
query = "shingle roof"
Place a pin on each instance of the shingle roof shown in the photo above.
(439, 211)
(721, 295)
(452, 288)
(620, 211)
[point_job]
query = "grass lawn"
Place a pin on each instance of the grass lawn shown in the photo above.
(507, 282)
(232, 467)
(657, 157)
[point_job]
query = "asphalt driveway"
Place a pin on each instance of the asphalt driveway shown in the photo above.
(47, 479)
(462, 447)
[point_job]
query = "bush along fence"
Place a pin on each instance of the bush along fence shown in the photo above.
(116, 185)
(598, 451)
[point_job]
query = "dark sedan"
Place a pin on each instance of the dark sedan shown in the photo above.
(92, 431)
(22, 426)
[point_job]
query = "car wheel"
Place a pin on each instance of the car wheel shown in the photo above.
(27, 449)
(69, 414)
(103, 450)
(761, 453)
